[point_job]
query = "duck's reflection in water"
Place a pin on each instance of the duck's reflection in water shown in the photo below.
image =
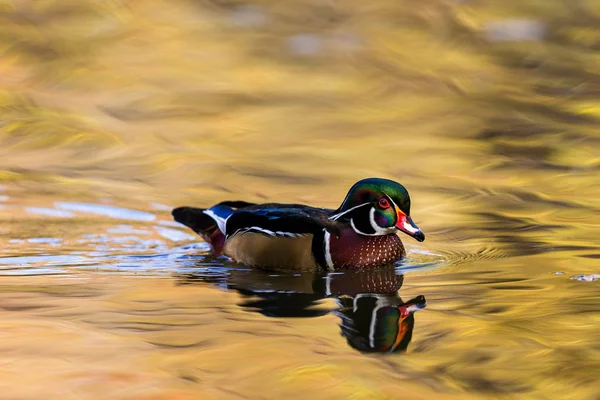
(373, 316)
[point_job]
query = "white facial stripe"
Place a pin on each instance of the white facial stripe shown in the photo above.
(328, 259)
(390, 198)
(336, 216)
(359, 232)
(355, 229)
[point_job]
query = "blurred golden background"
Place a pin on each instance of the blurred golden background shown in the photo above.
(486, 111)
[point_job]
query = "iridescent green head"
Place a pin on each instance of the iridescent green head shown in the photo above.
(377, 206)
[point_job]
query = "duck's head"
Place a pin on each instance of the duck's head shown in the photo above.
(376, 206)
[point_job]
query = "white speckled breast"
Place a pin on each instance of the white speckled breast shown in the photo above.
(352, 250)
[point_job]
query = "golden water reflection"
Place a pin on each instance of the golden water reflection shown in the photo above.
(113, 112)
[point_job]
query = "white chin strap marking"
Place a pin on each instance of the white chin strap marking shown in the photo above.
(378, 229)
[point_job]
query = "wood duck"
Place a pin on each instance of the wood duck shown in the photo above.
(361, 233)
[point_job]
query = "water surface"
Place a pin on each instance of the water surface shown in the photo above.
(115, 112)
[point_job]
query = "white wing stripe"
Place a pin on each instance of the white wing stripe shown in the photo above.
(221, 222)
(266, 231)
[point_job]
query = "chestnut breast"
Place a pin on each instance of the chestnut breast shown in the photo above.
(351, 250)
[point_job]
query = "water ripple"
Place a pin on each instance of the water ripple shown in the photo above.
(109, 211)
(49, 212)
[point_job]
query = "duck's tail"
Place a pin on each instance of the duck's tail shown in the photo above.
(209, 222)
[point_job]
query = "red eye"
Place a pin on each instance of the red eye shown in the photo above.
(383, 203)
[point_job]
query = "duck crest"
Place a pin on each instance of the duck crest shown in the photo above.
(351, 250)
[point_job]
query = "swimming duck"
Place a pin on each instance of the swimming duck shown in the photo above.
(360, 233)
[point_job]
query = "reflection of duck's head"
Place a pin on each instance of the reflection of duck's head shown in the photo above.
(373, 317)
(378, 323)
